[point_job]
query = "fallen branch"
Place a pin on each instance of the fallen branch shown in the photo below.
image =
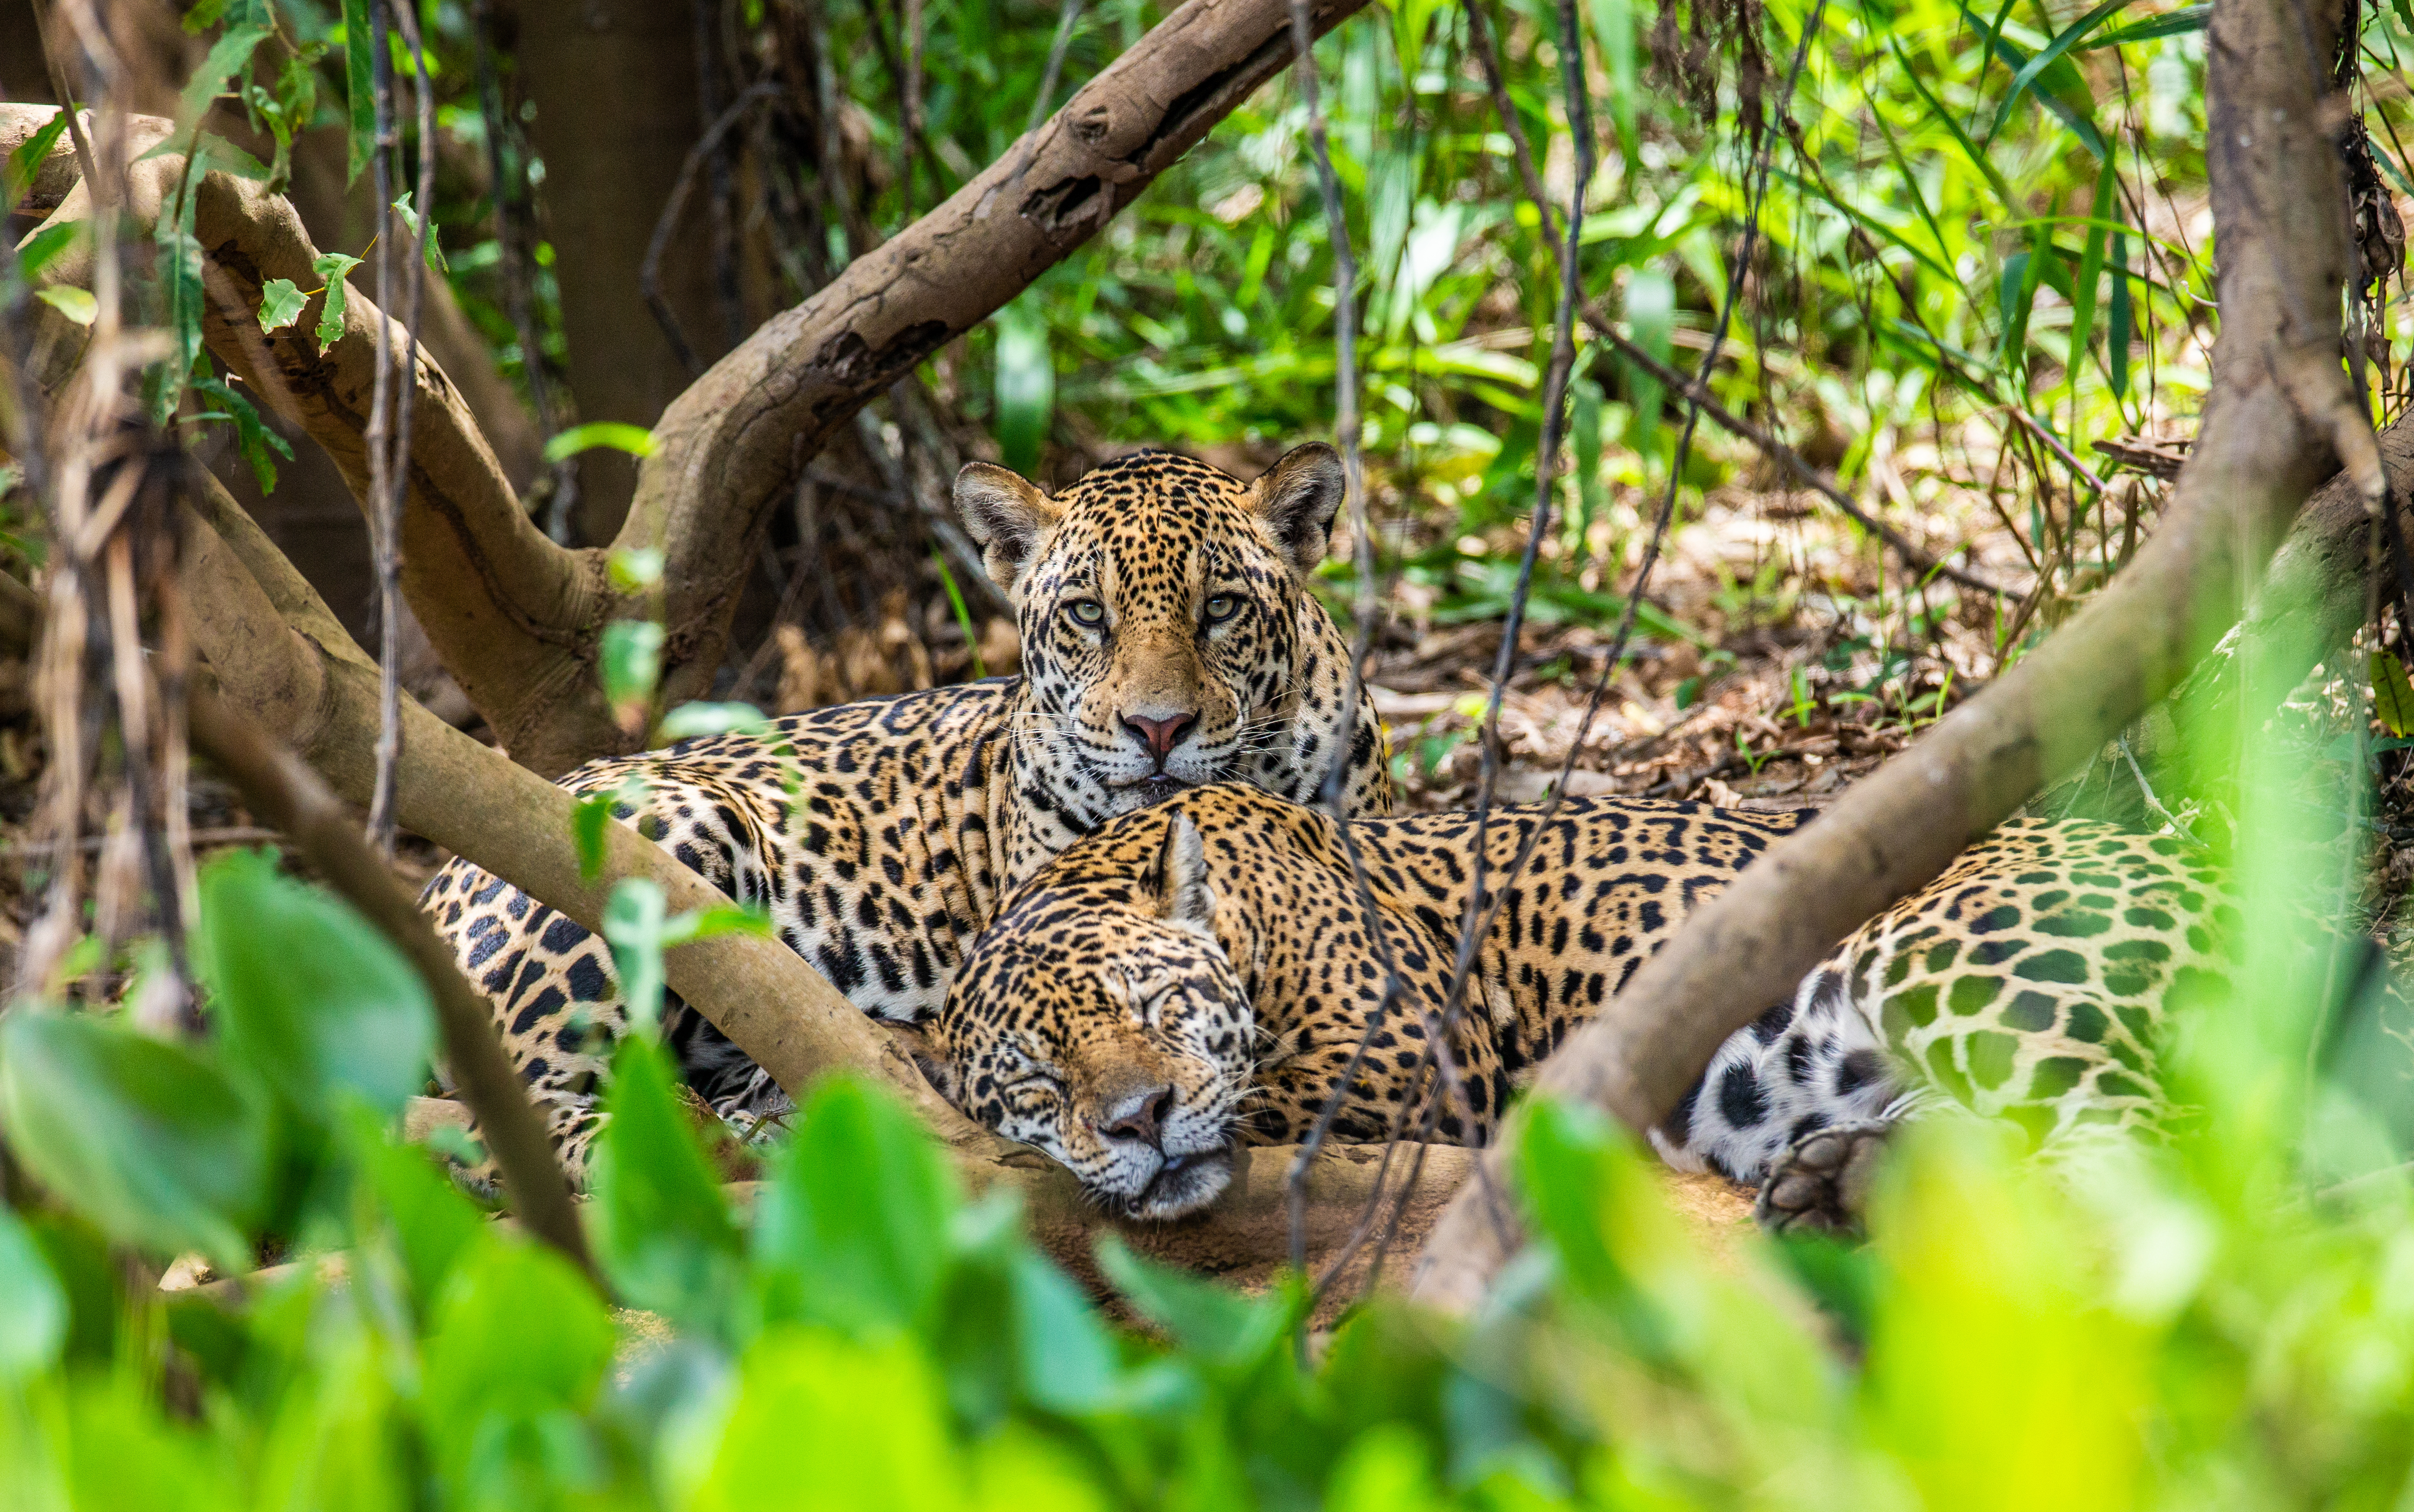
(2280, 405)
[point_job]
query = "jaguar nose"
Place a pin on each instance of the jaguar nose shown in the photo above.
(1140, 1116)
(1160, 737)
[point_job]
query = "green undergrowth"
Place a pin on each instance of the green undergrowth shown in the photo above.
(2226, 1321)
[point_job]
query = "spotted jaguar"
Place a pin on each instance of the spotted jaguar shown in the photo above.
(1170, 640)
(1207, 973)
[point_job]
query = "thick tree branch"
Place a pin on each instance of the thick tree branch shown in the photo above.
(2279, 406)
(504, 606)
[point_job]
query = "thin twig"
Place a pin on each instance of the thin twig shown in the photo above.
(649, 272)
(281, 789)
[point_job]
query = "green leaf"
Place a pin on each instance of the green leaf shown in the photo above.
(253, 438)
(2050, 54)
(1613, 21)
(1064, 1354)
(203, 16)
(2059, 81)
(634, 439)
(664, 1233)
(634, 917)
(1952, 123)
(635, 569)
(2392, 695)
(1651, 311)
(2091, 272)
(308, 995)
(852, 1228)
(712, 923)
(281, 301)
(360, 82)
(179, 267)
(594, 811)
(333, 267)
(2177, 23)
(32, 1305)
(42, 247)
(1026, 387)
(1585, 421)
(150, 1141)
(427, 244)
(630, 662)
(26, 161)
(432, 1222)
(1208, 1319)
(821, 1423)
(519, 1338)
(691, 720)
(77, 304)
(229, 55)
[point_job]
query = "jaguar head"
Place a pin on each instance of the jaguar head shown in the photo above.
(1101, 1022)
(1167, 629)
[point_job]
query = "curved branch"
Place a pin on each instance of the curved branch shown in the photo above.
(2280, 405)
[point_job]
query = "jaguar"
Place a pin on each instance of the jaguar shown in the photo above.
(1169, 639)
(1228, 968)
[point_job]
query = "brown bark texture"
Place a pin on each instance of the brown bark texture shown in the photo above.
(614, 86)
(2280, 412)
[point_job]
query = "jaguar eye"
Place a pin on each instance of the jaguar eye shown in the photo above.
(1222, 607)
(1087, 611)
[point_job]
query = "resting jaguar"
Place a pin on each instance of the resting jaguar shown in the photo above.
(1168, 640)
(1202, 973)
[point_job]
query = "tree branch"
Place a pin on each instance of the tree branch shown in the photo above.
(289, 796)
(2279, 406)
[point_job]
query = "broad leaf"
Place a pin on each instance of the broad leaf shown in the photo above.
(2392, 694)
(309, 996)
(1214, 1321)
(149, 1141)
(27, 159)
(281, 301)
(44, 247)
(852, 1225)
(333, 267)
(32, 1305)
(77, 304)
(664, 1233)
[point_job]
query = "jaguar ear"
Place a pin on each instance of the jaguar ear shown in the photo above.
(936, 1069)
(1184, 894)
(1006, 515)
(1297, 499)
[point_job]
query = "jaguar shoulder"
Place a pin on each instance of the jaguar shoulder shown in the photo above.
(1204, 973)
(1169, 639)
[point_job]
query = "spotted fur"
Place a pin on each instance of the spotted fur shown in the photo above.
(1169, 639)
(1204, 973)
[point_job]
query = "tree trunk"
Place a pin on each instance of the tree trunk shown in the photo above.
(614, 85)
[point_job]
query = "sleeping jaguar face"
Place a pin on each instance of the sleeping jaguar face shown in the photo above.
(1105, 1025)
(1168, 630)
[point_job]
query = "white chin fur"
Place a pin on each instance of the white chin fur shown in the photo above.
(1176, 1194)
